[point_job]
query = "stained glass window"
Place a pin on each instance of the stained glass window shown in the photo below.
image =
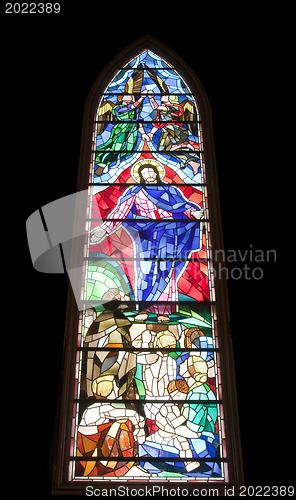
(148, 403)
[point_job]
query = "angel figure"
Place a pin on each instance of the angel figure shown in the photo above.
(124, 132)
(175, 120)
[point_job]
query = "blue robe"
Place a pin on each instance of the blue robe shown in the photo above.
(171, 237)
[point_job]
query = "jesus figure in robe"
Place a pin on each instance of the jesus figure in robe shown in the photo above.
(164, 225)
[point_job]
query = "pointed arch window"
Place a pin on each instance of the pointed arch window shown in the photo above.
(149, 392)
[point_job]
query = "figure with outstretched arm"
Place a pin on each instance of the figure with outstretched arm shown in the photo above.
(124, 114)
(124, 133)
(169, 119)
(163, 224)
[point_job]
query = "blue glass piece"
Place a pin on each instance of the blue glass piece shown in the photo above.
(216, 469)
(150, 467)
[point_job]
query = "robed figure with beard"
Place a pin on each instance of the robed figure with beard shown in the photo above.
(163, 225)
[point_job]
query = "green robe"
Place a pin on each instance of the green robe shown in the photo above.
(123, 138)
(202, 417)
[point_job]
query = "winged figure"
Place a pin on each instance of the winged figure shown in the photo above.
(175, 120)
(123, 114)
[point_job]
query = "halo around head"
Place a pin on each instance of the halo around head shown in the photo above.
(146, 161)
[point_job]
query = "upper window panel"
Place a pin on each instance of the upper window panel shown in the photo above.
(147, 111)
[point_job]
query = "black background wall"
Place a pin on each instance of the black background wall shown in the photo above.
(49, 63)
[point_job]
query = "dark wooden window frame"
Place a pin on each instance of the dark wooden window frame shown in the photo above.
(61, 484)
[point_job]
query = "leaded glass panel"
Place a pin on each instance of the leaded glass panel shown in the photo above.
(148, 400)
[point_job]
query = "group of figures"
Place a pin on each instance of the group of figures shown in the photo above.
(159, 402)
(168, 123)
(148, 377)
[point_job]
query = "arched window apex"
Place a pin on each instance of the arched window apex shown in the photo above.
(163, 52)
